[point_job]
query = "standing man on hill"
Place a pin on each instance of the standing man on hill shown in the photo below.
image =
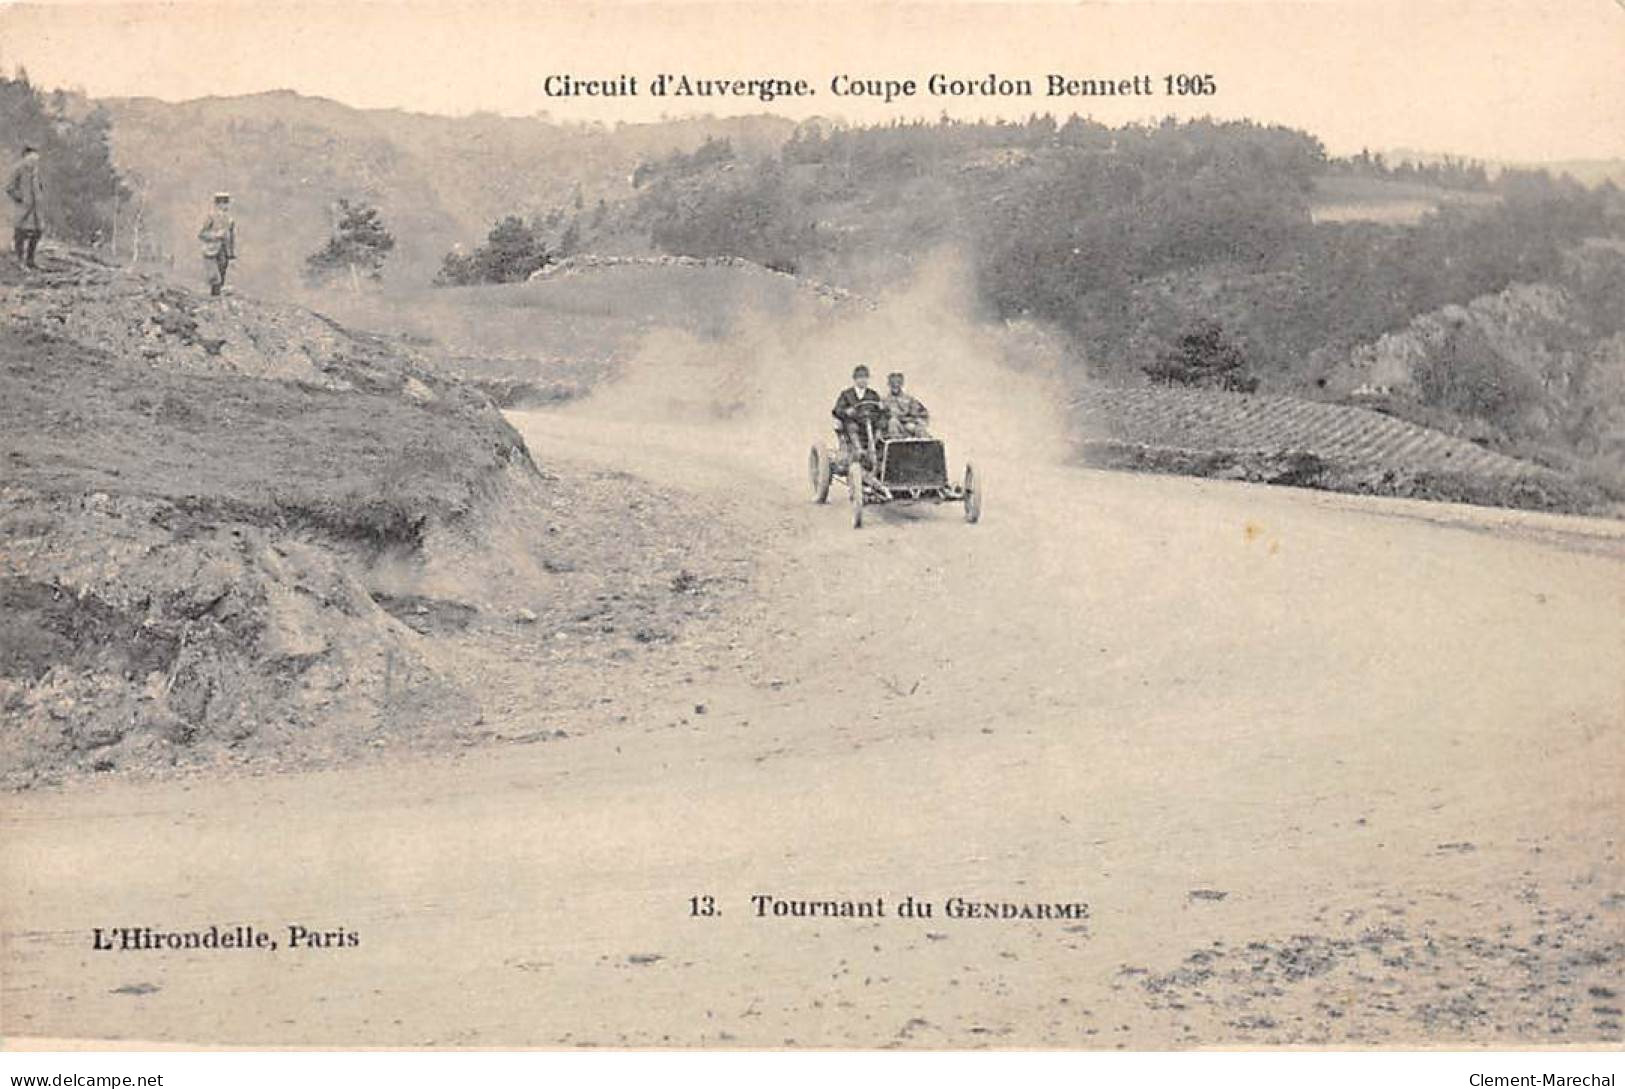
(27, 193)
(219, 238)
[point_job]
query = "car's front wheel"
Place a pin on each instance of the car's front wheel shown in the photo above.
(854, 479)
(819, 471)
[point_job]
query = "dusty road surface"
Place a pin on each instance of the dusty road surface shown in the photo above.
(1323, 770)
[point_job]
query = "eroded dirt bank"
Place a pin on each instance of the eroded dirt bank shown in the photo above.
(237, 534)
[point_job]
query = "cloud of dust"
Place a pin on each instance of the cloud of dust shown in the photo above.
(995, 391)
(758, 378)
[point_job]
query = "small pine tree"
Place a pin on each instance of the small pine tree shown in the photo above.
(456, 269)
(358, 248)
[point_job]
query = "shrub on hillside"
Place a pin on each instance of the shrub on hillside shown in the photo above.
(1203, 357)
(512, 251)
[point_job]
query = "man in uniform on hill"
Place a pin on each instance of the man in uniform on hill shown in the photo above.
(906, 416)
(219, 238)
(27, 193)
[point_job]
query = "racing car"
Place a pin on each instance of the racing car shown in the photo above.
(890, 470)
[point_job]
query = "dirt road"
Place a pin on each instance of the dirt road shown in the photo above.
(1323, 770)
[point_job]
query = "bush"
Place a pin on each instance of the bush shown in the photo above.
(1203, 357)
(512, 251)
(1466, 375)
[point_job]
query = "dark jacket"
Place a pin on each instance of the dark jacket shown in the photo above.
(26, 191)
(846, 405)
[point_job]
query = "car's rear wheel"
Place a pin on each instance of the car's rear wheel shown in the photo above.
(818, 472)
(854, 479)
(973, 496)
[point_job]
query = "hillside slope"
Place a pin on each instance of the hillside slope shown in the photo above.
(439, 181)
(1540, 367)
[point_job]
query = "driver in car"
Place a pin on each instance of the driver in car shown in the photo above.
(854, 402)
(906, 415)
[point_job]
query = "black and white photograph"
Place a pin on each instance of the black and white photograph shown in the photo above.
(790, 527)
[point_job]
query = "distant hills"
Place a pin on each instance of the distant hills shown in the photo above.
(439, 181)
(1584, 171)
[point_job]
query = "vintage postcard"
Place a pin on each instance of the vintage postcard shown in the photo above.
(870, 525)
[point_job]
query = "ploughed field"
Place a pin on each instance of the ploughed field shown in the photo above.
(1272, 438)
(1219, 420)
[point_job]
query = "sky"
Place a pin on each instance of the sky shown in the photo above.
(1501, 80)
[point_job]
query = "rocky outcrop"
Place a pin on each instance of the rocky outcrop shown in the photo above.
(196, 491)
